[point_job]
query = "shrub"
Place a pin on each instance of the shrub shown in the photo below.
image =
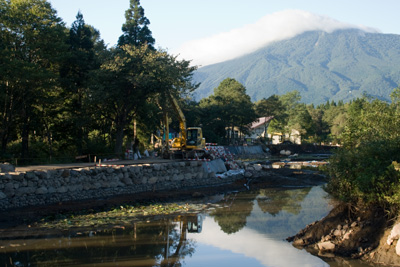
(367, 173)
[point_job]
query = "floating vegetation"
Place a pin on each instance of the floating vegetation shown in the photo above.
(121, 215)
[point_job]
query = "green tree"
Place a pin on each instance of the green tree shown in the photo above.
(363, 170)
(135, 30)
(289, 112)
(32, 43)
(271, 106)
(232, 105)
(134, 76)
(75, 73)
(302, 121)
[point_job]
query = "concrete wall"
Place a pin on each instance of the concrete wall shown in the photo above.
(21, 189)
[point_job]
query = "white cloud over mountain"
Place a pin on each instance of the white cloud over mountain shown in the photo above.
(249, 38)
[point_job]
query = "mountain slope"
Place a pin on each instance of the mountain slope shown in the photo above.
(322, 66)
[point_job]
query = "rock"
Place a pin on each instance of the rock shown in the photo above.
(298, 242)
(248, 174)
(31, 176)
(257, 167)
(398, 249)
(326, 246)
(8, 186)
(62, 189)
(65, 173)
(326, 238)
(41, 190)
(337, 232)
(25, 191)
(188, 176)
(127, 181)
(266, 167)
(394, 234)
(18, 177)
(153, 180)
(346, 236)
(2, 195)
(7, 167)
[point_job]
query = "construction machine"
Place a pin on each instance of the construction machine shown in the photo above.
(190, 143)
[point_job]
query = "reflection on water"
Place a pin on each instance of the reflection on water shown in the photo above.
(241, 229)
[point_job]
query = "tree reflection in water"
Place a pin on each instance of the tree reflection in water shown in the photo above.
(232, 216)
(275, 200)
(236, 208)
(160, 242)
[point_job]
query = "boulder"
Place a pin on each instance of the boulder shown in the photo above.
(257, 167)
(41, 190)
(7, 167)
(326, 246)
(127, 181)
(153, 180)
(248, 174)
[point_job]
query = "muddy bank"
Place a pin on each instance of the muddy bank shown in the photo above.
(256, 179)
(349, 231)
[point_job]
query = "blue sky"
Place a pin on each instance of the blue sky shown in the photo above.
(180, 26)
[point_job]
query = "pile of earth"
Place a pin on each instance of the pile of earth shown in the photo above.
(354, 232)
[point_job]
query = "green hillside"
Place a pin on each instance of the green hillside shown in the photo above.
(322, 66)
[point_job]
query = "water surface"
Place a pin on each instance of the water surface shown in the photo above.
(237, 229)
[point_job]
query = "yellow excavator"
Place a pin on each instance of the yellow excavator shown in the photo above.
(190, 143)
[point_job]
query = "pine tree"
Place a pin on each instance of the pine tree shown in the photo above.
(135, 30)
(75, 73)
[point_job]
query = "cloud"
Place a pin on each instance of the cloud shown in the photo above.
(249, 38)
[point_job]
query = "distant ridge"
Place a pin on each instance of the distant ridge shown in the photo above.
(322, 66)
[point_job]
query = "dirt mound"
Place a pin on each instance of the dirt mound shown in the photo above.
(350, 231)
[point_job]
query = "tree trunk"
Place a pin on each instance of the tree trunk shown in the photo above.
(7, 119)
(119, 139)
(25, 138)
(121, 122)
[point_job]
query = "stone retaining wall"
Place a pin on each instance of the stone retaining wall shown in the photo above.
(20, 189)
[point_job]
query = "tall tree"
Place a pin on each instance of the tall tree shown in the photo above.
(135, 30)
(32, 43)
(136, 75)
(272, 106)
(233, 105)
(80, 61)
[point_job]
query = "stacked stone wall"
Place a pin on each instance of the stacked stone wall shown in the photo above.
(22, 189)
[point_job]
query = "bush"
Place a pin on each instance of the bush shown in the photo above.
(367, 173)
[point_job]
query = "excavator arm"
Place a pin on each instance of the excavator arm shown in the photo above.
(191, 142)
(181, 117)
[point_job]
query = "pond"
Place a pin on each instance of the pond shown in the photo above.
(236, 229)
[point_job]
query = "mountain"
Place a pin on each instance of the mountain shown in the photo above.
(322, 66)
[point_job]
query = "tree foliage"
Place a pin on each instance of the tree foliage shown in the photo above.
(228, 107)
(135, 30)
(64, 92)
(364, 170)
(32, 44)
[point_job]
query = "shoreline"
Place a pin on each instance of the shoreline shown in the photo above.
(351, 232)
(251, 180)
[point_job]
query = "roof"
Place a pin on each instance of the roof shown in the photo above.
(261, 121)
